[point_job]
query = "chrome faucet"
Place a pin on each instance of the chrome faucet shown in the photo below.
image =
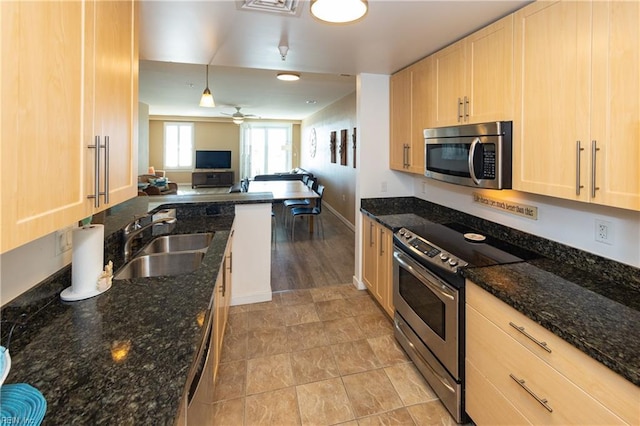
(134, 228)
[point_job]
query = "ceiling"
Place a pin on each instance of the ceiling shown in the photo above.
(178, 38)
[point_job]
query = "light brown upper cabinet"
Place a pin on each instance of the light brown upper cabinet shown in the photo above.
(576, 126)
(410, 97)
(59, 52)
(474, 77)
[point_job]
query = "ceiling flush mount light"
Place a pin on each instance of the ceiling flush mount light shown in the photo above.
(207, 98)
(339, 11)
(288, 76)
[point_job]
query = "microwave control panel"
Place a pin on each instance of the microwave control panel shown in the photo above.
(489, 161)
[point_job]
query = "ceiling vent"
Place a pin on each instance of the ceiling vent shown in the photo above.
(286, 7)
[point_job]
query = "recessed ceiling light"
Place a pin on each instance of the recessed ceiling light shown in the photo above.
(288, 76)
(312, 101)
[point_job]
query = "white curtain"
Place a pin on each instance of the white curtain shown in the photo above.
(265, 148)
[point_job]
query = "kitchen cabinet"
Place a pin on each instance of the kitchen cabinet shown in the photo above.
(377, 252)
(473, 78)
(200, 410)
(576, 124)
(518, 372)
(410, 92)
(72, 76)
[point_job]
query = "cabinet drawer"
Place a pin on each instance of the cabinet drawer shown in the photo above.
(544, 396)
(609, 388)
(485, 404)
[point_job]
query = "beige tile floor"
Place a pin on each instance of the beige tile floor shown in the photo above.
(320, 356)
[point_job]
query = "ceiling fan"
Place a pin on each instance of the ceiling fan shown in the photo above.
(237, 116)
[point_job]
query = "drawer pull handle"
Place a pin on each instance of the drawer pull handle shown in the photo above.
(542, 401)
(543, 345)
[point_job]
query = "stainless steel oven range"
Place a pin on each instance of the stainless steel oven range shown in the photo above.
(428, 295)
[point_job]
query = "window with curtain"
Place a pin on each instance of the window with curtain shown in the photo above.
(178, 146)
(265, 149)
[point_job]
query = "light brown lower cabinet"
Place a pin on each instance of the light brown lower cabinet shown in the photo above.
(517, 372)
(199, 411)
(377, 262)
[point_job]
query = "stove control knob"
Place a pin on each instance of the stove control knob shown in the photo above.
(444, 257)
(407, 235)
(453, 262)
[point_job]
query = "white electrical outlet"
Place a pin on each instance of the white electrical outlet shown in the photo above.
(383, 186)
(63, 240)
(604, 231)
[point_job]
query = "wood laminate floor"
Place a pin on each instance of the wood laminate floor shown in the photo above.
(310, 261)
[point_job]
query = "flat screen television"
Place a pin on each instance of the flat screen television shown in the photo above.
(213, 159)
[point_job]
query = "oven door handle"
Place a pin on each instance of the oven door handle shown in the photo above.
(427, 279)
(472, 154)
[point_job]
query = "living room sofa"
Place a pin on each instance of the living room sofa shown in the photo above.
(155, 185)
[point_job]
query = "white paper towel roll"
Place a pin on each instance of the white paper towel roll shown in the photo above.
(87, 260)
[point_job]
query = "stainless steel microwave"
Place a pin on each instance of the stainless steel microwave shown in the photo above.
(476, 155)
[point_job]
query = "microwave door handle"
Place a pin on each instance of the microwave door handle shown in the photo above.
(472, 152)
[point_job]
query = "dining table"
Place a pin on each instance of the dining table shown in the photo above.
(285, 190)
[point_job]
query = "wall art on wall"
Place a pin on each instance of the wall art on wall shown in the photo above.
(343, 147)
(333, 146)
(353, 136)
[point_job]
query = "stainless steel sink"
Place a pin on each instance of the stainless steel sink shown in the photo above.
(179, 242)
(161, 264)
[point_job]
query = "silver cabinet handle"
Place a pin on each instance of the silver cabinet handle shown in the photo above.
(370, 234)
(408, 156)
(466, 109)
(96, 184)
(381, 249)
(106, 169)
(594, 150)
(542, 401)
(578, 149)
(459, 110)
(543, 345)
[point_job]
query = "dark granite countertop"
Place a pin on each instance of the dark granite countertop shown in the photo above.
(591, 302)
(122, 357)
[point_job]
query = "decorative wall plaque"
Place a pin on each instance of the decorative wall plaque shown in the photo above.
(354, 147)
(333, 146)
(343, 147)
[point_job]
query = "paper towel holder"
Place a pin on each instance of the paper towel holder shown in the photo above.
(68, 295)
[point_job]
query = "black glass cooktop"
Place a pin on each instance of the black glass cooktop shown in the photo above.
(476, 249)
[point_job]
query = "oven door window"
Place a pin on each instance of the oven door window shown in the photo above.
(423, 301)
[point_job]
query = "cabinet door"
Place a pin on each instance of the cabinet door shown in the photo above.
(369, 253)
(385, 279)
(422, 89)
(400, 111)
(43, 162)
(449, 74)
(552, 53)
(615, 103)
(489, 64)
(115, 98)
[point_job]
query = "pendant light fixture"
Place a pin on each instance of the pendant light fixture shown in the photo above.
(207, 98)
(339, 11)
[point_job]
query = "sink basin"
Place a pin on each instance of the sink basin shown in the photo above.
(161, 264)
(179, 242)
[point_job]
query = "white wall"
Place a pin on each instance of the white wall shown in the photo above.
(143, 138)
(27, 265)
(567, 222)
(373, 177)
